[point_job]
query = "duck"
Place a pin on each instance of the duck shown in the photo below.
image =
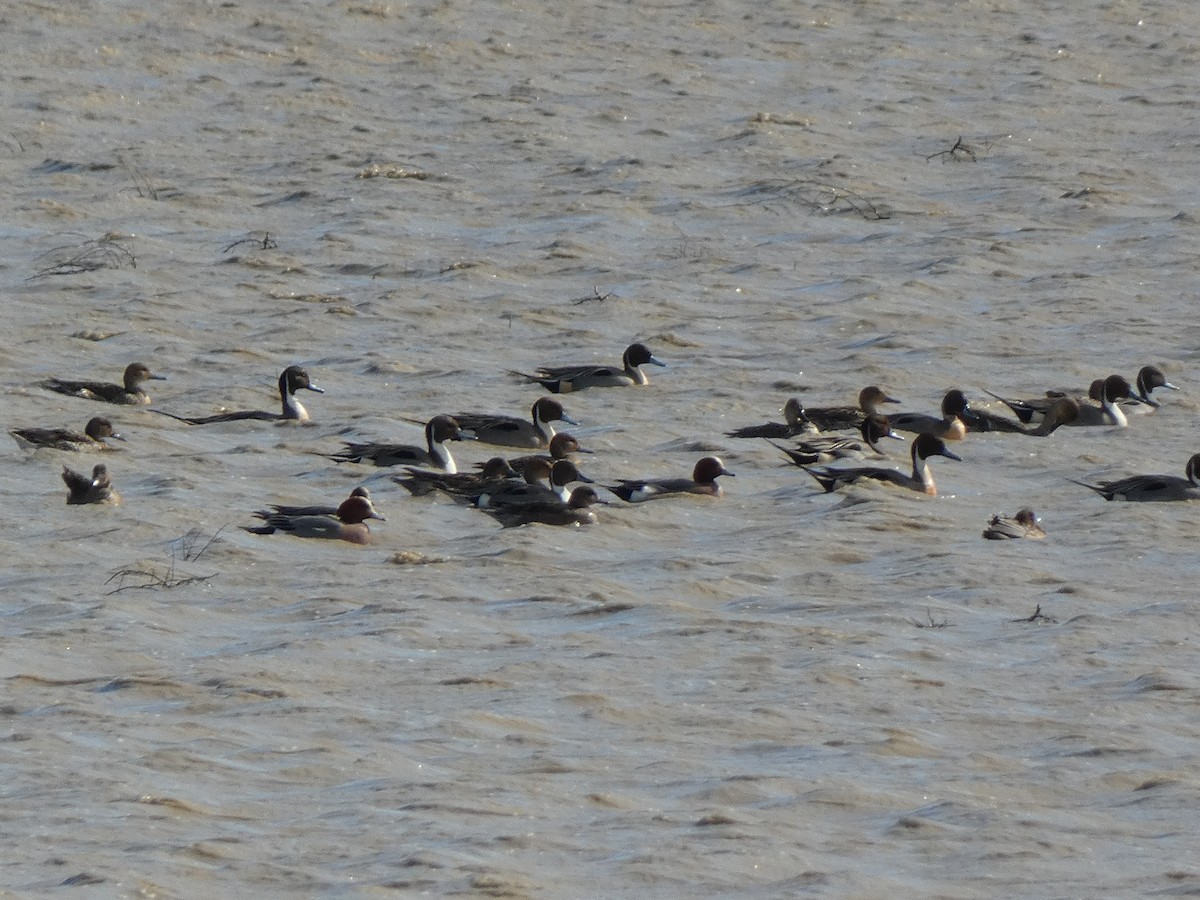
(1025, 524)
(795, 422)
(95, 489)
(827, 448)
(537, 488)
(1108, 392)
(1062, 411)
(438, 430)
(566, 379)
(318, 510)
(509, 431)
(949, 427)
(576, 511)
(94, 434)
(924, 446)
(129, 392)
(1151, 488)
(419, 482)
(562, 445)
(292, 379)
(842, 418)
(1148, 378)
(703, 481)
(350, 523)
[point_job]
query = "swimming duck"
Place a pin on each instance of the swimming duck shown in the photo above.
(292, 379)
(565, 379)
(350, 523)
(562, 445)
(509, 431)
(93, 438)
(949, 427)
(494, 472)
(96, 489)
(536, 489)
(1152, 487)
(841, 418)
(575, 511)
(1025, 524)
(1148, 378)
(1062, 411)
(795, 421)
(827, 448)
(438, 430)
(703, 481)
(1109, 392)
(326, 510)
(923, 447)
(130, 392)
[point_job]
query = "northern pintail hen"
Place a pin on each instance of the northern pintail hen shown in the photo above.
(535, 489)
(949, 426)
(576, 511)
(318, 510)
(94, 489)
(565, 379)
(827, 448)
(843, 418)
(493, 473)
(350, 523)
(129, 392)
(795, 422)
(1152, 487)
(1025, 524)
(438, 431)
(1062, 411)
(703, 481)
(562, 445)
(921, 479)
(292, 379)
(93, 437)
(509, 431)
(1113, 389)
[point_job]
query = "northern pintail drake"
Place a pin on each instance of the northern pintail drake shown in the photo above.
(1025, 524)
(576, 511)
(949, 426)
(703, 481)
(509, 431)
(350, 523)
(1152, 487)
(93, 437)
(843, 418)
(494, 472)
(562, 445)
(84, 489)
(319, 510)
(438, 431)
(827, 448)
(1114, 388)
(795, 422)
(514, 493)
(292, 379)
(129, 392)
(1149, 378)
(565, 379)
(921, 479)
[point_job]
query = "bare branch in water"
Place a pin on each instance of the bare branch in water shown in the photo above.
(959, 152)
(1037, 617)
(819, 195)
(104, 253)
(930, 623)
(596, 297)
(266, 242)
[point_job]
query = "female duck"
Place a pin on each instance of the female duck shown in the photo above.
(96, 489)
(565, 379)
(130, 392)
(703, 481)
(292, 379)
(438, 430)
(1152, 488)
(795, 421)
(350, 523)
(835, 418)
(828, 448)
(536, 490)
(1025, 524)
(950, 427)
(509, 431)
(925, 446)
(495, 472)
(93, 437)
(562, 445)
(575, 511)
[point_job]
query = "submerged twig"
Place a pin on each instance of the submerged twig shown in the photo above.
(819, 195)
(104, 253)
(596, 297)
(959, 151)
(930, 623)
(266, 242)
(1036, 617)
(152, 578)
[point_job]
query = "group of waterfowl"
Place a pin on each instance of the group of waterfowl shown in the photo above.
(536, 487)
